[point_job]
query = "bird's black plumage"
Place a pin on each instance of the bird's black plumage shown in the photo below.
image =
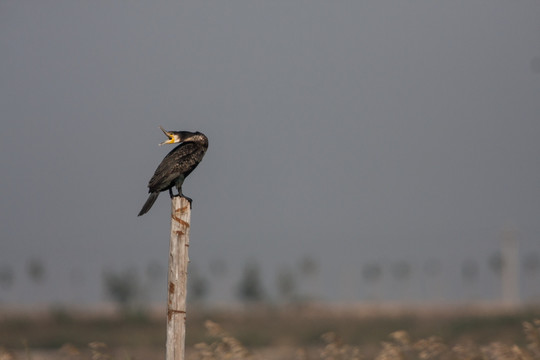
(177, 165)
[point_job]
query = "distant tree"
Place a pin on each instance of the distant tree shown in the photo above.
(372, 274)
(122, 287)
(401, 270)
(36, 270)
(250, 288)
(309, 267)
(496, 263)
(286, 284)
(309, 271)
(531, 265)
(469, 270)
(469, 275)
(6, 277)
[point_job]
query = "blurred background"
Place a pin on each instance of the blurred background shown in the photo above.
(360, 151)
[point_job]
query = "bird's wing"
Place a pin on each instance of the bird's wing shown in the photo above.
(180, 161)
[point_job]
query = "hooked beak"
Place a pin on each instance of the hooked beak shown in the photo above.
(171, 139)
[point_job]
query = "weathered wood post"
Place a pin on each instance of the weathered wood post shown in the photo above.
(178, 263)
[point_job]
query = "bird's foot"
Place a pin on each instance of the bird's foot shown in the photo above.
(188, 199)
(182, 195)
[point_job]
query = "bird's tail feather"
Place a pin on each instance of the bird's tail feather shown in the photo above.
(149, 202)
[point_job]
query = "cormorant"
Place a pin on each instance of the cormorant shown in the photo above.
(177, 165)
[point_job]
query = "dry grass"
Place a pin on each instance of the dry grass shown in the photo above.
(400, 346)
(219, 344)
(223, 347)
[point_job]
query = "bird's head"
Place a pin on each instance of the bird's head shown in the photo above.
(175, 137)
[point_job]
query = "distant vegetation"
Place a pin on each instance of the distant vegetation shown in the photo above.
(271, 333)
(373, 281)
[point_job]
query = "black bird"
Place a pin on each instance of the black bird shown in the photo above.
(177, 165)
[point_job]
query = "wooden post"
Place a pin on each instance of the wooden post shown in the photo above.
(178, 263)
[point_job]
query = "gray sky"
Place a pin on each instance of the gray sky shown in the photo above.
(347, 131)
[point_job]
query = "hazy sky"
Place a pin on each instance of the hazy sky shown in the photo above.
(347, 131)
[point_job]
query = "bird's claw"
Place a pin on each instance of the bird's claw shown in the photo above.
(181, 195)
(190, 200)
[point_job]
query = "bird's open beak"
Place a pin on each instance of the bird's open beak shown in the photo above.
(169, 135)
